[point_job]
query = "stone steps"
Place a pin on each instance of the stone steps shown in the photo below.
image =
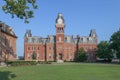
(60, 61)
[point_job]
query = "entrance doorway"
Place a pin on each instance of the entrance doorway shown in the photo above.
(60, 56)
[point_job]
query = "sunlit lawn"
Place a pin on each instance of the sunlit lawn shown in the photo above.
(66, 71)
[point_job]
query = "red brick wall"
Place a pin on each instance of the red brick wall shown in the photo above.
(50, 51)
(8, 47)
(53, 50)
(69, 51)
(90, 50)
(37, 48)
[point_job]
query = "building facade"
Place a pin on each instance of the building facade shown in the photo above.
(60, 46)
(7, 43)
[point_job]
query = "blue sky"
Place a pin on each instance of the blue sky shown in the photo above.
(80, 17)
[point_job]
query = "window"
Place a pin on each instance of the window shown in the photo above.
(38, 55)
(59, 39)
(69, 47)
(6, 41)
(81, 39)
(38, 48)
(58, 30)
(28, 48)
(33, 40)
(66, 48)
(0, 53)
(90, 38)
(34, 48)
(61, 30)
(51, 48)
(28, 55)
(49, 55)
(65, 39)
(87, 39)
(10, 42)
(70, 55)
(67, 55)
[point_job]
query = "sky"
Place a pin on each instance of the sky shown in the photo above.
(80, 17)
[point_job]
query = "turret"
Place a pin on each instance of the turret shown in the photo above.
(93, 33)
(60, 19)
(60, 24)
(28, 33)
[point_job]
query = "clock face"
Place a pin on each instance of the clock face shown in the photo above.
(60, 21)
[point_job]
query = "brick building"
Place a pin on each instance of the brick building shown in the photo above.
(59, 46)
(7, 42)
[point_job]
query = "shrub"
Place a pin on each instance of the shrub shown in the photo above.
(21, 63)
(24, 63)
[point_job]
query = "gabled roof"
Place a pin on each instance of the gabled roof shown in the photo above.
(7, 29)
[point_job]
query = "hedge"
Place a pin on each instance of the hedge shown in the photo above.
(24, 63)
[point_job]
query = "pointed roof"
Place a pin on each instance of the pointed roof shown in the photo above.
(28, 33)
(60, 16)
(7, 29)
(93, 33)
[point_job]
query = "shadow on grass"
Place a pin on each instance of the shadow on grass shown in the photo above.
(6, 75)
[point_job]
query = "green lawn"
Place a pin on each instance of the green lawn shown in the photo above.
(66, 71)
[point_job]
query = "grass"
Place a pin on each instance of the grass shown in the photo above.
(66, 71)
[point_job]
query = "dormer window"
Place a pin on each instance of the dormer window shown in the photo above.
(87, 39)
(81, 39)
(65, 39)
(33, 40)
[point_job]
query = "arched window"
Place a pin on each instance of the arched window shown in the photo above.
(59, 39)
(28, 48)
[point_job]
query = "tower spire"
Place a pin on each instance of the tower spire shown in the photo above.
(60, 24)
(60, 19)
(93, 33)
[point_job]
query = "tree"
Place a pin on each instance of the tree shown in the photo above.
(115, 43)
(80, 55)
(20, 8)
(104, 51)
(34, 55)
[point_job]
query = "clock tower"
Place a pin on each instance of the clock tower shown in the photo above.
(60, 37)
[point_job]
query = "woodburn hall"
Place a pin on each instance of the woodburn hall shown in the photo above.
(59, 46)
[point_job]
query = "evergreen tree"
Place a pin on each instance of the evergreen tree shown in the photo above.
(34, 55)
(81, 55)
